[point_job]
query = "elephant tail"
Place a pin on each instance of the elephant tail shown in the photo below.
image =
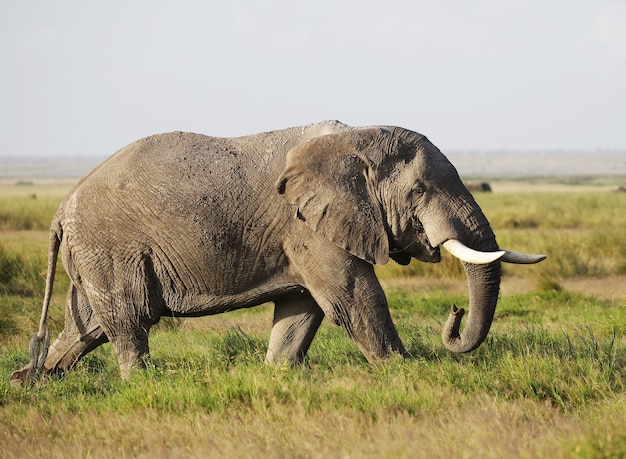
(40, 343)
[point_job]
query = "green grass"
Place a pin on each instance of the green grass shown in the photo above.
(25, 213)
(550, 380)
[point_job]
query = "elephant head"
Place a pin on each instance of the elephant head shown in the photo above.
(383, 193)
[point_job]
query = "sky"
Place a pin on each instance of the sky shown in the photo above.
(82, 78)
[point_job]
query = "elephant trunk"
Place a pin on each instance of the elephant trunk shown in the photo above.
(484, 285)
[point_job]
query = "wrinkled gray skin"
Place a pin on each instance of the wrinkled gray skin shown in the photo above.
(185, 225)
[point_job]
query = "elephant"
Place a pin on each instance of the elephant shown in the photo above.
(481, 186)
(182, 224)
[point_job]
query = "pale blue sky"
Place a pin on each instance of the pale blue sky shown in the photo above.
(86, 78)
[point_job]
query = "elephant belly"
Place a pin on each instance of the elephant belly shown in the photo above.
(202, 304)
(213, 280)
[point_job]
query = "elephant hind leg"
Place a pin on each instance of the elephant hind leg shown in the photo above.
(128, 312)
(295, 323)
(69, 348)
(129, 337)
(132, 351)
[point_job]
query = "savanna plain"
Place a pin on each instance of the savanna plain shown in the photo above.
(550, 380)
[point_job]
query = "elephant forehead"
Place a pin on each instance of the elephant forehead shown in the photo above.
(430, 164)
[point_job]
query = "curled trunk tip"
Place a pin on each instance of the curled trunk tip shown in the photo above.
(456, 311)
(452, 328)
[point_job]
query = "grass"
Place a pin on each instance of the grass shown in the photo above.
(549, 381)
(26, 213)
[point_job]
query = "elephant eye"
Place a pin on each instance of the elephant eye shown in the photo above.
(417, 191)
(415, 196)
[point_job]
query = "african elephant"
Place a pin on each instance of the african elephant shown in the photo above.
(481, 186)
(182, 224)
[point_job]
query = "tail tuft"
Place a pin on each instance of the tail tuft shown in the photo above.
(38, 350)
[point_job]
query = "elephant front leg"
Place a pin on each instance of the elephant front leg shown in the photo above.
(359, 306)
(347, 291)
(295, 323)
(370, 327)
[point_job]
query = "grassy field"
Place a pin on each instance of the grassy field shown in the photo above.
(550, 381)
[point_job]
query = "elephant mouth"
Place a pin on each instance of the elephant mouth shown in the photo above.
(424, 250)
(421, 250)
(413, 244)
(429, 254)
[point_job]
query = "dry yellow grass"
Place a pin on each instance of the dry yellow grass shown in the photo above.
(485, 428)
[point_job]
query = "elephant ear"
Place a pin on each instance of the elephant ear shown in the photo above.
(330, 180)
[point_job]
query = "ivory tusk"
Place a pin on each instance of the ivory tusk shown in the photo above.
(522, 258)
(464, 253)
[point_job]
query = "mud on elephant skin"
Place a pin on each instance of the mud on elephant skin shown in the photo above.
(182, 224)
